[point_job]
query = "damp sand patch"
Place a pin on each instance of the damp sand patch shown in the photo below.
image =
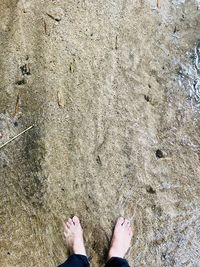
(189, 76)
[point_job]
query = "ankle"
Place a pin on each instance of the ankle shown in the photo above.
(114, 253)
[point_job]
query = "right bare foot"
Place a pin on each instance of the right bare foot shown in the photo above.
(121, 239)
(73, 233)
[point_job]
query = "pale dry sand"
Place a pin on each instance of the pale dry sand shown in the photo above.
(112, 88)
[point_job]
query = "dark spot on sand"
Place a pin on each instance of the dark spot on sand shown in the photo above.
(150, 190)
(98, 160)
(157, 210)
(21, 82)
(159, 154)
(175, 30)
(163, 256)
(25, 70)
(147, 98)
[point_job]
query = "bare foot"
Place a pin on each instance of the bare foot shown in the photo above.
(121, 239)
(73, 233)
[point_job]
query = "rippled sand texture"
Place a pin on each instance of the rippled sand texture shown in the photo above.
(113, 91)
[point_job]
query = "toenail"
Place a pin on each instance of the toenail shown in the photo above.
(121, 219)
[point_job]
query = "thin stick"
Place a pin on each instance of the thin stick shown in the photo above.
(16, 136)
(158, 4)
(17, 105)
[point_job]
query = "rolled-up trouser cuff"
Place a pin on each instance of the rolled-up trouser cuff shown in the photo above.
(76, 260)
(117, 262)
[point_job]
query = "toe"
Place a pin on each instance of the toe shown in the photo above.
(66, 235)
(76, 220)
(130, 231)
(126, 223)
(120, 221)
(65, 226)
(70, 221)
(68, 225)
(131, 235)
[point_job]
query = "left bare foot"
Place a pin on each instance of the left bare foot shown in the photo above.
(73, 233)
(121, 239)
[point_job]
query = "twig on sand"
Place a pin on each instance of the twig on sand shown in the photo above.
(17, 106)
(158, 4)
(16, 136)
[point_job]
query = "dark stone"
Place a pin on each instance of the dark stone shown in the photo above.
(147, 98)
(25, 70)
(159, 154)
(98, 160)
(150, 190)
(20, 82)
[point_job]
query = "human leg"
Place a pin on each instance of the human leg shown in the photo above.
(120, 244)
(74, 237)
(76, 260)
(117, 262)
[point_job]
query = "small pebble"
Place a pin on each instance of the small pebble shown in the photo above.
(159, 154)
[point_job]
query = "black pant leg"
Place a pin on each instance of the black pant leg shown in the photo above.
(117, 262)
(76, 260)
